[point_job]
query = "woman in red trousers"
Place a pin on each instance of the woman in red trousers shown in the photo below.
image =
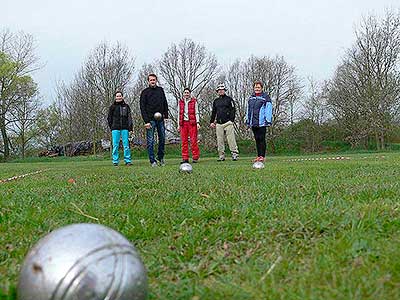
(188, 126)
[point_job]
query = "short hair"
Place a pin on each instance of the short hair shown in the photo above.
(187, 89)
(258, 82)
(151, 75)
(118, 92)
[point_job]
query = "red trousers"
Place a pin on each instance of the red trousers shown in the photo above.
(189, 130)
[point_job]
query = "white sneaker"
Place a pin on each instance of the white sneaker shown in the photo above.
(154, 164)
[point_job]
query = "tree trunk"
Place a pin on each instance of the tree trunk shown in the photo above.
(382, 140)
(377, 141)
(23, 146)
(5, 141)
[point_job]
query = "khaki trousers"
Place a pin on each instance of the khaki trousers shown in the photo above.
(228, 130)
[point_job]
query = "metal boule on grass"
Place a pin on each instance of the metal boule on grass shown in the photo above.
(157, 116)
(185, 168)
(82, 261)
(258, 165)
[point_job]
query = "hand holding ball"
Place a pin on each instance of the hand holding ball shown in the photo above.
(157, 116)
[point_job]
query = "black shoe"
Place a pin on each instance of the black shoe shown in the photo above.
(221, 158)
(185, 161)
(128, 164)
(115, 164)
(195, 161)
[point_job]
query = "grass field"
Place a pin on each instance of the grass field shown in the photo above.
(294, 230)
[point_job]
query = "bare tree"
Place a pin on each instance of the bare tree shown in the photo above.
(49, 127)
(85, 102)
(365, 92)
(280, 81)
(187, 64)
(239, 88)
(132, 97)
(314, 106)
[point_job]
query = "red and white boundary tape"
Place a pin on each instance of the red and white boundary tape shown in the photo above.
(20, 176)
(319, 158)
(331, 158)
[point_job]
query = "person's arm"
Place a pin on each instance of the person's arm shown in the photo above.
(130, 121)
(143, 111)
(110, 116)
(196, 109)
(233, 110)
(247, 121)
(165, 104)
(268, 111)
(213, 113)
(178, 110)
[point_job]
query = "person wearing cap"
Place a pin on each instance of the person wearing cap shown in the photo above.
(153, 100)
(189, 126)
(222, 118)
(258, 117)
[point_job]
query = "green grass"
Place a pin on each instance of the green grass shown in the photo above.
(331, 229)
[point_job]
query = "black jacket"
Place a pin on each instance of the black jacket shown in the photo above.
(153, 100)
(119, 116)
(223, 110)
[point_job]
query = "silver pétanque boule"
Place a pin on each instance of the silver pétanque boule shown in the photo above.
(185, 168)
(258, 165)
(157, 116)
(82, 262)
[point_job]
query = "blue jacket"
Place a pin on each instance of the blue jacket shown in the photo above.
(259, 111)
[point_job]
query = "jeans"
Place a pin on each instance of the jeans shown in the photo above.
(116, 136)
(159, 125)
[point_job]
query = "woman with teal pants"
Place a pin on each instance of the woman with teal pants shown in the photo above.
(120, 122)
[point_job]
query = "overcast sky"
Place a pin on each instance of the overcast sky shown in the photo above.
(312, 35)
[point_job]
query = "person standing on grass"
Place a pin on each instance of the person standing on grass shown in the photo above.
(189, 126)
(258, 117)
(222, 118)
(120, 122)
(152, 100)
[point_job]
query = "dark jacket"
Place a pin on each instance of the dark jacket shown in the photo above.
(119, 116)
(223, 110)
(153, 100)
(259, 111)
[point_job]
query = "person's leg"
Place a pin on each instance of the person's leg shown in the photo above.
(184, 140)
(259, 136)
(219, 130)
(150, 142)
(125, 143)
(193, 142)
(263, 143)
(161, 141)
(230, 136)
(116, 135)
(257, 139)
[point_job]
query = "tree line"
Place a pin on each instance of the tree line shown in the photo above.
(358, 106)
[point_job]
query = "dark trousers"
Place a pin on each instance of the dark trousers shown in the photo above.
(259, 136)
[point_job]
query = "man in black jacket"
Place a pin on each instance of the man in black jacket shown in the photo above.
(153, 100)
(120, 122)
(222, 118)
